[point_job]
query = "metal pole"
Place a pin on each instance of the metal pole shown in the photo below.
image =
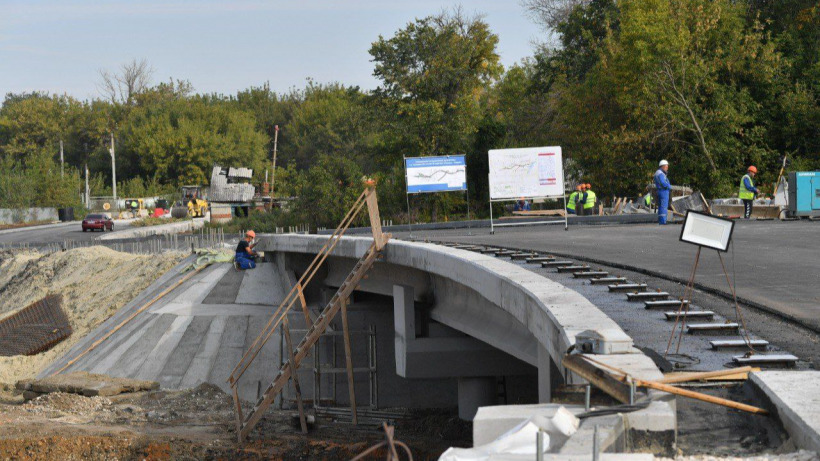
(587, 396)
(407, 196)
(539, 445)
(566, 215)
(492, 231)
(273, 172)
(62, 160)
(113, 169)
(595, 447)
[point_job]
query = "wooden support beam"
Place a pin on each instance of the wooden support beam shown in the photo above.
(375, 218)
(702, 397)
(294, 377)
(301, 295)
(238, 408)
(731, 374)
(598, 377)
(349, 361)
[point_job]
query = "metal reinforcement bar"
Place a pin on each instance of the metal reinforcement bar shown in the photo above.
(35, 328)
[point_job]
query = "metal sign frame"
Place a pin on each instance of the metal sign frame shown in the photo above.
(407, 193)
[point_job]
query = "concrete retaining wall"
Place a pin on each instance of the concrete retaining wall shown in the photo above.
(14, 216)
(171, 228)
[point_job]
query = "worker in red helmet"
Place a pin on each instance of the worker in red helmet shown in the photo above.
(747, 191)
(245, 257)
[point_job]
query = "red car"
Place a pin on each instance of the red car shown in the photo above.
(98, 221)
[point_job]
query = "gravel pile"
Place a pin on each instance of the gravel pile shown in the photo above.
(67, 403)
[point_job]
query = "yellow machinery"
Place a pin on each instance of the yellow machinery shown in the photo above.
(192, 204)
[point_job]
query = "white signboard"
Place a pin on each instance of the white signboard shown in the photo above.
(528, 172)
(708, 231)
(436, 174)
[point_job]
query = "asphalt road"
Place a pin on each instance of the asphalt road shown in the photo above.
(776, 264)
(42, 235)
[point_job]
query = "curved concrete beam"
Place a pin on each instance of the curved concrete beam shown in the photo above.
(551, 312)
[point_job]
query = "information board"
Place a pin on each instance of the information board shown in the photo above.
(529, 172)
(436, 174)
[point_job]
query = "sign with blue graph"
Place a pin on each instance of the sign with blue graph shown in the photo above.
(436, 174)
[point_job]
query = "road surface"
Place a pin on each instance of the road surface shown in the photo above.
(42, 235)
(776, 263)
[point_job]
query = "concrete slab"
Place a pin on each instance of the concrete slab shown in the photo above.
(590, 274)
(712, 328)
(796, 397)
(261, 286)
(632, 287)
(689, 315)
(227, 289)
(647, 295)
(493, 421)
(665, 303)
(163, 349)
(735, 343)
(572, 268)
(183, 354)
(766, 359)
(200, 367)
(605, 280)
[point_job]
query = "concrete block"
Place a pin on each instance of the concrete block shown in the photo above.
(796, 397)
(490, 422)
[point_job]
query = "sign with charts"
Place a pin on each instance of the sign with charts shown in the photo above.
(529, 172)
(436, 174)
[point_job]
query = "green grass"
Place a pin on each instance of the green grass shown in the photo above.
(145, 222)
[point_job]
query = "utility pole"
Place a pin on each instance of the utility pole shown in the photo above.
(62, 160)
(113, 168)
(87, 189)
(273, 173)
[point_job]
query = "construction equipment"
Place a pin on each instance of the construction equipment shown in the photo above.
(134, 208)
(804, 194)
(338, 303)
(192, 203)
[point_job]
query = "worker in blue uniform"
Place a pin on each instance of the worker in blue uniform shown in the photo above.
(748, 191)
(663, 187)
(245, 257)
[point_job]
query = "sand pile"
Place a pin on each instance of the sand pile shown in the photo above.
(95, 282)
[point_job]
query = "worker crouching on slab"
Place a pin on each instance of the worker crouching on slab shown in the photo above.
(662, 185)
(245, 257)
(748, 191)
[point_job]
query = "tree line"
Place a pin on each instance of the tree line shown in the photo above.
(710, 85)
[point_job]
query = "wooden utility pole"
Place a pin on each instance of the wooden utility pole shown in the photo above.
(273, 174)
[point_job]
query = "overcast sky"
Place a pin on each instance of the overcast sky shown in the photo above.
(222, 47)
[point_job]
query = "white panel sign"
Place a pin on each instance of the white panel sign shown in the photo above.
(708, 231)
(528, 172)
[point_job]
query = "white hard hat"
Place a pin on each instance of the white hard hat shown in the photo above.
(663, 162)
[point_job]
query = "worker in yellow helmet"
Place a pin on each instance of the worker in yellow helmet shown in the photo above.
(747, 191)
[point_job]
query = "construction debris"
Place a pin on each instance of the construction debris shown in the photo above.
(34, 329)
(82, 383)
(693, 202)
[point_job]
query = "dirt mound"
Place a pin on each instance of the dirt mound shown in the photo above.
(94, 282)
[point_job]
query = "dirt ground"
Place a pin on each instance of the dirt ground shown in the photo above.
(196, 424)
(95, 282)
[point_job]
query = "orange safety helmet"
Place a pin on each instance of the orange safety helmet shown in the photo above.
(752, 169)
(250, 234)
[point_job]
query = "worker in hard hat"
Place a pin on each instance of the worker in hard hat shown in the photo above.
(521, 205)
(748, 191)
(590, 200)
(573, 199)
(245, 257)
(663, 187)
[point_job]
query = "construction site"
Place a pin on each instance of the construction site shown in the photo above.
(448, 343)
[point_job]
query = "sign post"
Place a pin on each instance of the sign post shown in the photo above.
(445, 173)
(528, 173)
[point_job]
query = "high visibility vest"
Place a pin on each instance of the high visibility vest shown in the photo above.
(647, 200)
(743, 193)
(590, 200)
(571, 201)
